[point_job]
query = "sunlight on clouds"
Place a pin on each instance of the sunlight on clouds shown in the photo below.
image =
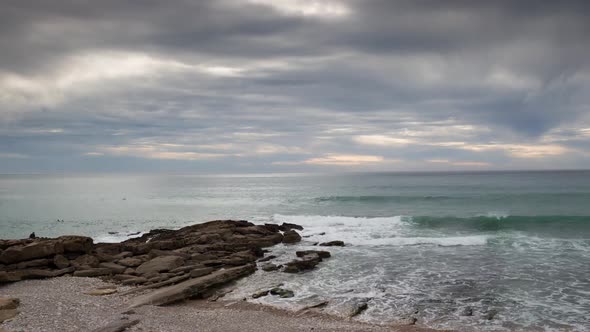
(382, 140)
(157, 152)
(314, 8)
(459, 163)
(344, 160)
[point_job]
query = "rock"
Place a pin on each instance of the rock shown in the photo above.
(291, 237)
(7, 303)
(78, 244)
(354, 307)
(160, 264)
(268, 267)
(157, 252)
(130, 262)
(186, 268)
(260, 294)
(321, 253)
(201, 272)
(61, 262)
(467, 311)
(267, 258)
(281, 292)
(39, 249)
(134, 281)
(273, 227)
(193, 287)
(118, 325)
(95, 272)
(34, 263)
(7, 314)
(490, 314)
(122, 255)
(115, 268)
(101, 291)
(307, 262)
(336, 243)
(123, 277)
(85, 262)
(288, 226)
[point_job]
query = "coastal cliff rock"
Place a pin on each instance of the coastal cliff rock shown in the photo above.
(183, 263)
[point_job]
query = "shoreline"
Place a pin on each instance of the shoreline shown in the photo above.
(73, 310)
(163, 271)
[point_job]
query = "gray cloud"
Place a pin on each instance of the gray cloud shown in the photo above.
(285, 86)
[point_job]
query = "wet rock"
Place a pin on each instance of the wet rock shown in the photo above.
(273, 227)
(160, 264)
(267, 258)
(268, 267)
(281, 292)
(307, 262)
(61, 262)
(336, 243)
(291, 236)
(354, 307)
(490, 314)
(288, 226)
(321, 253)
(260, 294)
(95, 272)
(467, 311)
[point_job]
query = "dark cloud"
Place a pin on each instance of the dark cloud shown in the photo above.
(232, 85)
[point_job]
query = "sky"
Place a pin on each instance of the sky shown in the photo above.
(248, 86)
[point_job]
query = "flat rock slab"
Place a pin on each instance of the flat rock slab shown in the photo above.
(9, 303)
(7, 314)
(160, 264)
(193, 287)
(117, 326)
(103, 291)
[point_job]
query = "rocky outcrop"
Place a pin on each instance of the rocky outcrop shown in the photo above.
(321, 253)
(307, 262)
(291, 237)
(336, 243)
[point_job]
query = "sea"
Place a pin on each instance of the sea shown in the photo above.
(472, 251)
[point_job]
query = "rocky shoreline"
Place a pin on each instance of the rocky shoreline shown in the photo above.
(162, 267)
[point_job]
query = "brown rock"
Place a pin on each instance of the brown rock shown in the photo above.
(130, 262)
(321, 253)
(135, 281)
(85, 262)
(115, 268)
(34, 263)
(9, 303)
(157, 252)
(73, 243)
(201, 272)
(96, 272)
(160, 264)
(122, 277)
(291, 237)
(61, 262)
(101, 291)
(193, 287)
(306, 263)
(7, 314)
(39, 249)
(288, 226)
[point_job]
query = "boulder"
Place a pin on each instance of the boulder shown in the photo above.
(95, 272)
(130, 262)
(268, 267)
(34, 263)
(260, 294)
(354, 307)
(39, 249)
(307, 262)
(7, 314)
(135, 281)
(160, 264)
(193, 287)
(336, 243)
(61, 262)
(79, 244)
(281, 292)
(321, 253)
(288, 226)
(267, 258)
(85, 262)
(291, 236)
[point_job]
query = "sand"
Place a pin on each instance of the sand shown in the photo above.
(59, 304)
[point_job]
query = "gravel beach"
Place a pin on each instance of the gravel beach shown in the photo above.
(60, 304)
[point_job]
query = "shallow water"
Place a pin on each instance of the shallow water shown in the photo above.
(421, 245)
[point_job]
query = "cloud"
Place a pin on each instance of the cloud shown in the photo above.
(230, 85)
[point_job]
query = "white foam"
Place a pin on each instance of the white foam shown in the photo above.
(381, 231)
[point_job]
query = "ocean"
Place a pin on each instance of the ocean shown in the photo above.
(450, 249)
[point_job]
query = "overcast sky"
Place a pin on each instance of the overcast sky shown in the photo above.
(293, 85)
